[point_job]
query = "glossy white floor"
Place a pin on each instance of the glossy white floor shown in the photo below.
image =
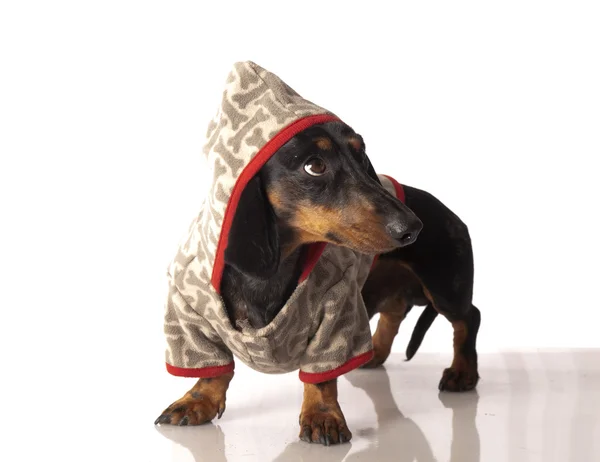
(530, 406)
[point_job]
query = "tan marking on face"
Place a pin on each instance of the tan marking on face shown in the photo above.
(366, 204)
(323, 143)
(274, 198)
(357, 226)
(355, 143)
(316, 219)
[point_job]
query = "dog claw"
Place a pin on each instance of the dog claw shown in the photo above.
(458, 381)
(306, 434)
(325, 429)
(163, 419)
(184, 421)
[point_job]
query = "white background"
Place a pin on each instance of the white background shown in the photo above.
(492, 107)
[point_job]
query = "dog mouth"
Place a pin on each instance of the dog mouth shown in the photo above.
(376, 236)
(361, 228)
(364, 242)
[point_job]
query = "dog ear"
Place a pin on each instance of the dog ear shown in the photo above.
(253, 245)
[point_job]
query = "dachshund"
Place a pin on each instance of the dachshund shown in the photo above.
(321, 187)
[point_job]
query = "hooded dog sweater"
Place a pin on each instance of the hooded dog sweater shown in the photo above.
(323, 329)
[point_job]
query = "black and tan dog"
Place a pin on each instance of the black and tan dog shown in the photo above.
(320, 187)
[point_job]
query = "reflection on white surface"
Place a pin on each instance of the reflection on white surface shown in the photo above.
(395, 434)
(208, 444)
(532, 406)
(529, 406)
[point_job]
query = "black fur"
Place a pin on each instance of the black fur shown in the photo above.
(423, 324)
(256, 281)
(442, 256)
(253, 248)
(257, 299)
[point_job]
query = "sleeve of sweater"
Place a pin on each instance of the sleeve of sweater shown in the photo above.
(194, 349)
(342, 341)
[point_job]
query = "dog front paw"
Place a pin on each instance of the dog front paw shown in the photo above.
(458, 380)
(193, 409)
(325, 426)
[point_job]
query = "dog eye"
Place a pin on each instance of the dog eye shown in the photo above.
(315, 167)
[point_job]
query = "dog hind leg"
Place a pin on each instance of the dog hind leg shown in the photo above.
(393, 313)
(463, 374)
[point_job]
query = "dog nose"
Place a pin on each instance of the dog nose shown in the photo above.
(404, 233)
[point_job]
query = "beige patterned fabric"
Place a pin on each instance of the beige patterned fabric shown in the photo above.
(323, 329)
(387, 184)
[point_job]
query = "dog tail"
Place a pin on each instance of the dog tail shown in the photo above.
(423, 324)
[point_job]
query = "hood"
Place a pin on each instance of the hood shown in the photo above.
(259, 113)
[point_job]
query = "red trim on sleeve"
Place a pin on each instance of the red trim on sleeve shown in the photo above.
(252, 169)
(348, 366)
(202, 372)
(399, 189)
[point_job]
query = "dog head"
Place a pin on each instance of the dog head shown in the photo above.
(318, 187)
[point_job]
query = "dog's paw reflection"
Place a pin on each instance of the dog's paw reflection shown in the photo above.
(205, 444)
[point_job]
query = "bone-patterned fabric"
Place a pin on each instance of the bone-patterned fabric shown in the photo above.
(323, 329)
(256, 105)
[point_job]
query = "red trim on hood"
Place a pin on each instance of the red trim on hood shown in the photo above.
(252, 169)
(357, 361)
(201, 372)
(313, 253)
